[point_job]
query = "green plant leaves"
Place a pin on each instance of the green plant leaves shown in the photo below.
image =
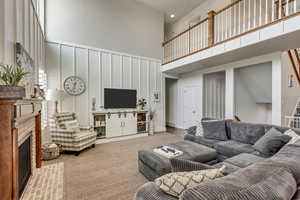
(11, 75)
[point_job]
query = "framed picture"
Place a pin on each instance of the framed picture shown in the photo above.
(156, 96)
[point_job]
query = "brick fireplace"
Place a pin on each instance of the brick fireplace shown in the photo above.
(20, 145)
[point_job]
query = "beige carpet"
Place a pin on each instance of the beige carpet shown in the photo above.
(46, 184)
(109, 171)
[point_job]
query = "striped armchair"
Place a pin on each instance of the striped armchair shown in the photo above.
(66, 132)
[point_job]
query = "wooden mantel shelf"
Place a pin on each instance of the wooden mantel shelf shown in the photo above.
(14, 114)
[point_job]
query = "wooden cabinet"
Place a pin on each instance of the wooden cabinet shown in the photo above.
(116, 123)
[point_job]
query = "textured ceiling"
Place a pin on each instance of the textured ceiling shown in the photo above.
(178, 7)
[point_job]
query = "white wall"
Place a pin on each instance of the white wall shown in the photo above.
(290, 95)
(195, 16)
(171, 102)
(101, 69)
(253, 93)
(19, 23)
(195, 78)
(124, 26)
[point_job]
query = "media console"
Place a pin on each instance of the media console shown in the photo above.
(117, 123)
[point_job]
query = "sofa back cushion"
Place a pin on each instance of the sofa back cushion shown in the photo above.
(246, 132)
(215, 130)
(271, 142)
(274, 183)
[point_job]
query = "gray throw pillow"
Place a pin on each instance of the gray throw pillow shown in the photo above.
(271, 142)
(215, 130)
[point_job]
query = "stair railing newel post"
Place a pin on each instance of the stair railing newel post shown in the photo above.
(211, 28)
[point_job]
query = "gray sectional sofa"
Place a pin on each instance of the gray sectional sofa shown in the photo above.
(251, 174)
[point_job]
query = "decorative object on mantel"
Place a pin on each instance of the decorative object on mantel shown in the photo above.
(54, 95)
(50, 151)
(74, 86)
(141, 104)
(11, 76)
(24, 61)
(39, 93)
(291, 81)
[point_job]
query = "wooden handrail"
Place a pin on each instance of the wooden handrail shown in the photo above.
(214, 34)
(294, 65)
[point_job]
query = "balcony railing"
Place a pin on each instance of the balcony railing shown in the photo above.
(292, 122)
(236, 19)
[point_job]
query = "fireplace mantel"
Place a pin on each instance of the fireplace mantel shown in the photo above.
(20, 119)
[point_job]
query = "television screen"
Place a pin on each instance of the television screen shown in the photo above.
(119, 98)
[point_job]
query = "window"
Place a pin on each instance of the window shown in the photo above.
(43, 85)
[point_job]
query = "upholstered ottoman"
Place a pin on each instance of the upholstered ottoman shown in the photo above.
(153, 165)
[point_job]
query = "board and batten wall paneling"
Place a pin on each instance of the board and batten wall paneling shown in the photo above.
(19, 22)
(101, 69)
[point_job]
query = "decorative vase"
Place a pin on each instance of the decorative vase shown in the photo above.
(151, 127)
(11, 92)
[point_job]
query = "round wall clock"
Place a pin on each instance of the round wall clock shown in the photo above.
(74, 85)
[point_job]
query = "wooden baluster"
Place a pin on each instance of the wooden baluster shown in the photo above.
(280, 5)
(273, 10)
(287, 10)
(249, 15)
(211, 31)
(254, 17)
(234, 19)
(260, 12)
(244, 17)
(266, 20)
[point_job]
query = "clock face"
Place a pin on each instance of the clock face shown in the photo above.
(74, 86)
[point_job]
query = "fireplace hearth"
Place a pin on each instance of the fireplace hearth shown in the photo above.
(24, 164)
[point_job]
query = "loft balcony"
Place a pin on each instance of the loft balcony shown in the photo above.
(243, 29)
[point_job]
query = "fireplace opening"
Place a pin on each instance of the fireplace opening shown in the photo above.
(24, 164)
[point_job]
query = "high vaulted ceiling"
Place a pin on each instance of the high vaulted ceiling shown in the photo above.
(177, 7)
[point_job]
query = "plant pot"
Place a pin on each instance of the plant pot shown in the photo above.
(11, 92)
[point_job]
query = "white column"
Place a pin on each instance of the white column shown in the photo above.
(276, 91)
(201, 96)
(229, 94)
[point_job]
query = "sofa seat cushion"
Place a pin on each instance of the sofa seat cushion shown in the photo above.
(151, 191)
(246, 132)
(229, 168)
(231, 148)
(244, 160)
(201, 140)
(215, 129)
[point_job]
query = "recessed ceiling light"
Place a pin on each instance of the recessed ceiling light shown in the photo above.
(172, 15)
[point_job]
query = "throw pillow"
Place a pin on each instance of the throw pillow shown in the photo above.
(271, 142)
(293, 135)
(215, 130)
(72, 125)
(176, 183)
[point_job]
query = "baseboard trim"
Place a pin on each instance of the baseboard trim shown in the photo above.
(117, 139)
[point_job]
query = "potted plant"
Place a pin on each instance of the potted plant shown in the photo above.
(10, 77)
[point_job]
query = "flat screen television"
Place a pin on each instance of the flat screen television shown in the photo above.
(119, 98)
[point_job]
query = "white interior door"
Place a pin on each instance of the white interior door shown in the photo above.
(191, 106)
